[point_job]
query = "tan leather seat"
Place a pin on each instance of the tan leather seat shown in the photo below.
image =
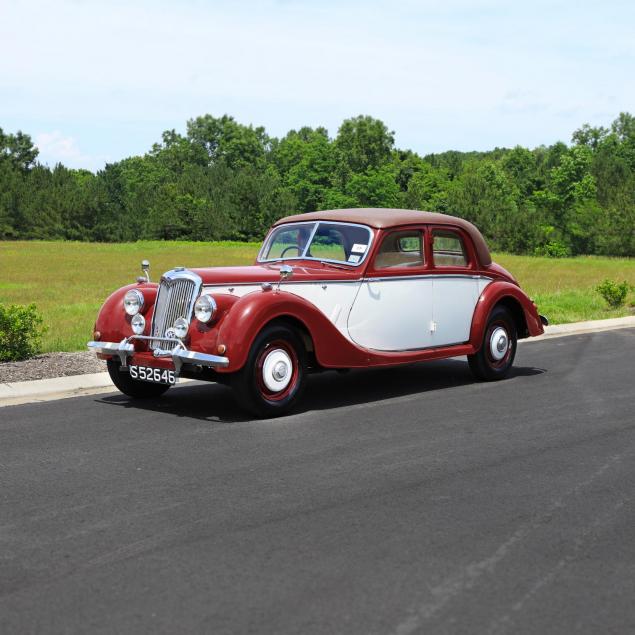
(449, 260)
(397, 259)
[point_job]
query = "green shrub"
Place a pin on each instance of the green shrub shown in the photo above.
(553, 249)
(613, 292)
(20, 332)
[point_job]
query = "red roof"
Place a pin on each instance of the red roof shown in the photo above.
(381, 218)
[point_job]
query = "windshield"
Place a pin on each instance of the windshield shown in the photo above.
(331, 242)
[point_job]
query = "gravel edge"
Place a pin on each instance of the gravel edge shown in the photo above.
(50, 365)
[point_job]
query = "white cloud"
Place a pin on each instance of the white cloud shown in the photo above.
(55, 148)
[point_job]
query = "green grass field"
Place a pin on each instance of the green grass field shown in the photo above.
(68, 281)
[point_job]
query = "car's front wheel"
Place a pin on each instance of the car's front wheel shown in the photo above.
(272, 380)
(133, 387)
(498, 349)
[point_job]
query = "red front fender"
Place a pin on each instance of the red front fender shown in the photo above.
(112, 321)
(523, 309)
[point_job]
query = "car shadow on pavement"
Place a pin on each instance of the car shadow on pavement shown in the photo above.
(324, 391)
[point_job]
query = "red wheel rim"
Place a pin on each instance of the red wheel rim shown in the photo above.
(492, 338)
(268, 351)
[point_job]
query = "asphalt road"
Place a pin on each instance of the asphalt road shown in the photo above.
(397, 501)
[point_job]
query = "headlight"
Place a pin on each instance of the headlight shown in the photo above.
(180, 327)
(205, 308)
(138, 323)
(133, 302)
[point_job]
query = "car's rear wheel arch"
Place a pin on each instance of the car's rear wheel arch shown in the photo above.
(518, 314)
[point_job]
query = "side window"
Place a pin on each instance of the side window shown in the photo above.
(400, 249)
(448, 249)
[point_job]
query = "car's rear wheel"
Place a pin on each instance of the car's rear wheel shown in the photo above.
(133, 387)
(272, 380)
(498, 349)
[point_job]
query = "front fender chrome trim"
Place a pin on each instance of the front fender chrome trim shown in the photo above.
(179, 355)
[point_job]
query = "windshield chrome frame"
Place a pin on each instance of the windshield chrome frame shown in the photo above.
(303, 256)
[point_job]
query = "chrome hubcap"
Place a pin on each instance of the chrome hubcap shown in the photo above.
(499, 343)
(276, 370)
(280, 371)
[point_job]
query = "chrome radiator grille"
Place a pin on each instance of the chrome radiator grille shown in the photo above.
(175, 299)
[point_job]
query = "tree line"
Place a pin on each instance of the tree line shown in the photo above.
(223, 180)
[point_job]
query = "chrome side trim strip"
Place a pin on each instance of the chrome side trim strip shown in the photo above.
(427, 276)
(354, 281)
(231, 285)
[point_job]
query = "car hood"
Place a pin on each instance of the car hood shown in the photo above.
(302, 272)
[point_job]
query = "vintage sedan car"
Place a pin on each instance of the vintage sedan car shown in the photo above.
(336, 289)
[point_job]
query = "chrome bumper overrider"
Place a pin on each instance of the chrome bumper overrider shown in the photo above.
(179, 355)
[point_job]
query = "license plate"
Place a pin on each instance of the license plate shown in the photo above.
(154, 375)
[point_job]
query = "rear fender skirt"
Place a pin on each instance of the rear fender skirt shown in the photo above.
(493, 294)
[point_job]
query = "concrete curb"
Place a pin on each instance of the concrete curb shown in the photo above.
(579, 328)
(21, 392)
(13, 394)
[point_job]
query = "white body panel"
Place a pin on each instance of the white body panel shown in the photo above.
(454, 300)
(392, 314)
(454, 303)
(334, 299)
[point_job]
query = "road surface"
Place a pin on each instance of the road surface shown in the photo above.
(411, 500)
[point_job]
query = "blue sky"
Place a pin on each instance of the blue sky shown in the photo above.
(98, 81)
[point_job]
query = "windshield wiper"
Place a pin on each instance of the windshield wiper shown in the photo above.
(332, 264)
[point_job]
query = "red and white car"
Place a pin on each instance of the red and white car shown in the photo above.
(335, 289)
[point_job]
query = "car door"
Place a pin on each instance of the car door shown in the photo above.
(456, 286)
(393, 307)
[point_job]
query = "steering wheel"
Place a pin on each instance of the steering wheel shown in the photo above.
(284, 251)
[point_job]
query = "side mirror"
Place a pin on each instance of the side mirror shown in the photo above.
(286, 271)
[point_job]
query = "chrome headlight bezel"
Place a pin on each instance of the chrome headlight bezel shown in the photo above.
(133, 302)
(205, 308)
(138, 324)
(181, 327)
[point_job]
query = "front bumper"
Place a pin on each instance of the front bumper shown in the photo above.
(179, 355)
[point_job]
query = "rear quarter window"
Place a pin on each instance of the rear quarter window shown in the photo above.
(448, 249)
